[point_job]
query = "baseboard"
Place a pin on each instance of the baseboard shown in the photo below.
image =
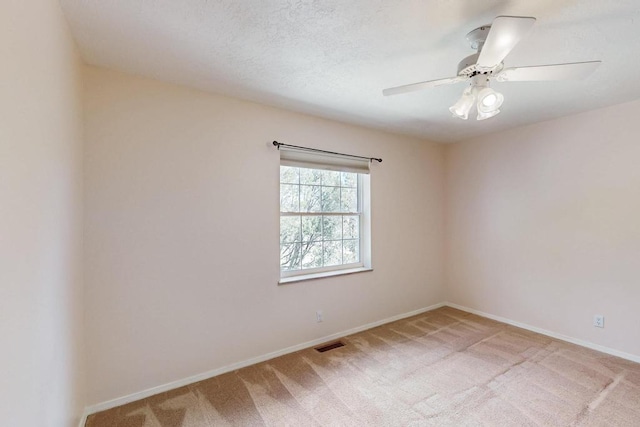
(83, 418)
(587, 344)
(92, 409)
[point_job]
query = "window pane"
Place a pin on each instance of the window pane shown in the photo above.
(349, 200)
(349, 179)
(310, 176)
(332, 228)
(350, 251)
(351, 227)
(311, 228)
(331, 178)
(332, 252)
(289, 198)
(290, 256)
(289, 175)
(310, 198)
(314, 232)
(312, 255)
(331, 199)
(289, 229)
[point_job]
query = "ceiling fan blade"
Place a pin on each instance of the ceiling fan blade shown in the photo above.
(422, 85)
(571, 71)
(504, 35)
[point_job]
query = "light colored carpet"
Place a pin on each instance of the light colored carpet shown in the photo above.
(441, 368)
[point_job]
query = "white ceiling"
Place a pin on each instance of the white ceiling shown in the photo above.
(332, 58)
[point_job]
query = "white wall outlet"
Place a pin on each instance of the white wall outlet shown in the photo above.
(598, 321)
(319, 316)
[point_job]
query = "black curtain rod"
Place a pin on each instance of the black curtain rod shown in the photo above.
(371, 159)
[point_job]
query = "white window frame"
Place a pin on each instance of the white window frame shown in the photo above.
(364, 214)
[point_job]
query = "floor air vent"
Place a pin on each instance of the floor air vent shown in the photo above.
(330, 346)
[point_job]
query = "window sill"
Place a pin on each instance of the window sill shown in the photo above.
(303, 277)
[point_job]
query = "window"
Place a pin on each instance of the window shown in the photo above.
(323, 219)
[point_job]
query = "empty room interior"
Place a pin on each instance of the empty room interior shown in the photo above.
(310, 213)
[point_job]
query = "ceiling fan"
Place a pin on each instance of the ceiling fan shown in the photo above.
(493, 43)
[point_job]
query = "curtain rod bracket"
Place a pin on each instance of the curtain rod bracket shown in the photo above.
(371, 159)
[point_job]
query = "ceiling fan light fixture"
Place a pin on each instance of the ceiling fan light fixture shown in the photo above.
(483, 116)
(461, 108)
(489, 100)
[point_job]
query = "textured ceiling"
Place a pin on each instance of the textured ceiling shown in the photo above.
(332, 58)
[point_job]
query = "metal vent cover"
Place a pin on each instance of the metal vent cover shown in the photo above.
(330, 346)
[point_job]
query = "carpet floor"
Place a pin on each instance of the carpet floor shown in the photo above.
(442, 368)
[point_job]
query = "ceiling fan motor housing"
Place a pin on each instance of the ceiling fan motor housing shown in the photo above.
(468, 67)
(478, 36)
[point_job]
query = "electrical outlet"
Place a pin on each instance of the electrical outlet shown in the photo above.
(319, 316)
(598, 321)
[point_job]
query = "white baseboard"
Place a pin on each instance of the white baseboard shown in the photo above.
(92, 409)
(83, 418)
(587, 344)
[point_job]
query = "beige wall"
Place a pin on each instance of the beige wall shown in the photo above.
(543, 225)
(41, 354)
(181, 237)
